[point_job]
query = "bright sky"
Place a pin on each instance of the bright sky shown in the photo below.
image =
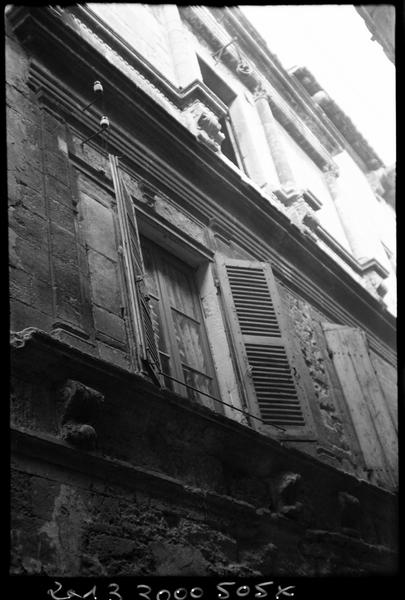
(333, 42)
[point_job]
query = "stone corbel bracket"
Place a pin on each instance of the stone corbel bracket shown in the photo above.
(286, 489)
(205, 124)
(18, 339)
(311, 221)
(81, 404)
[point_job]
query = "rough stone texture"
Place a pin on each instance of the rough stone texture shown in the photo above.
(104, 282)
(160, 486)
(233, 505)
(182, 221)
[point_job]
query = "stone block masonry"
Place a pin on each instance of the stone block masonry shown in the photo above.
(148, 500)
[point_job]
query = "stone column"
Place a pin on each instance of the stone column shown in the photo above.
(283, 169)
(292, 197)
(185, 61)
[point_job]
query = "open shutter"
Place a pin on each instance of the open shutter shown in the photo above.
(365, 400)
(141, 315)
(267, 360)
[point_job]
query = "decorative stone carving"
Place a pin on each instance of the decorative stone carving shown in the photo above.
(311, 221)
(18, 339)
(206, 125)
(382, 290)
(148, 195)
(244, 67)
(286, 494)
(81, 405)
(259, 93)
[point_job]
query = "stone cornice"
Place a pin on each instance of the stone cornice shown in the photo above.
(254, 45)
(340, 120)
(242, 209)
(380, 20)
(306, 108)
(39, 357)
(281, 97)
(358, 267)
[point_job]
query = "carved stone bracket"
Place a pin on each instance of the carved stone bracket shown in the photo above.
(206, 125)
(311, 220)
(286, 491)
(18, 339)
(81, 405)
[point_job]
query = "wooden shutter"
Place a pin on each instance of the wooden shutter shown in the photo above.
(365, 401)
(262, 343)
(141, 315)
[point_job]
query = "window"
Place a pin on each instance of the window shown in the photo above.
(176, 313)
(170, 340)
(166, 320)
(229, 146)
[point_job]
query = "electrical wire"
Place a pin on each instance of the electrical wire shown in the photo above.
(244, 412)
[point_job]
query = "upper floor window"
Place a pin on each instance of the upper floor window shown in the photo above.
(171, 342)
(229, 146)
(182, 341)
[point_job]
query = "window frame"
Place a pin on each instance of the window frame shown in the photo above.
(168, 327)
(227, 98)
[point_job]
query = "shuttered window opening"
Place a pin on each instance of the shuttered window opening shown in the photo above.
(259, 325)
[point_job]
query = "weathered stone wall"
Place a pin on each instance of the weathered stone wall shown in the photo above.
(147, 499)
(146, 483)
(143, 29)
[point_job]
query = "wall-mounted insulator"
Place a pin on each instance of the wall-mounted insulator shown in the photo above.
(104, 125)
(98, 90)
(104, 122)
(97, 87)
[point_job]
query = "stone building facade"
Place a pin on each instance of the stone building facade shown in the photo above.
(202, 307)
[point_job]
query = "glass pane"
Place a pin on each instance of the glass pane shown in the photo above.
(201, 383)
(179, 290)
(188, 337)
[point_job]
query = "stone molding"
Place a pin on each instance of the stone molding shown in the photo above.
(344, 125)
(349, 301)
(201, 23)
(81, 403)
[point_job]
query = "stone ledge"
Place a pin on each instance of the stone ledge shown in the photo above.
(35, 352)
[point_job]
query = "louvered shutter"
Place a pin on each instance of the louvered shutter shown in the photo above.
(141, 314)
(263, 345)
